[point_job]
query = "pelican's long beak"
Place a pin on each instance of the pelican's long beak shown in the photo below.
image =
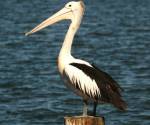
(64, 13)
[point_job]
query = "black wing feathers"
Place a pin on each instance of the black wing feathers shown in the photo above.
(115, 86)
(110, 89)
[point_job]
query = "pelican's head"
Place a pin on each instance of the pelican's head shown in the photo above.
(72, 11)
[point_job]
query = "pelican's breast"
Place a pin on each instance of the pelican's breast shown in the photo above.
(64, 60)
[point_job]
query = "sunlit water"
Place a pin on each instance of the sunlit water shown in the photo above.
(115, 35)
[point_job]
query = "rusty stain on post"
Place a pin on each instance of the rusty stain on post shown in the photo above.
(84, 120)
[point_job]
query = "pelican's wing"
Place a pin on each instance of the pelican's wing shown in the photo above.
(109, 88)
(82, 82)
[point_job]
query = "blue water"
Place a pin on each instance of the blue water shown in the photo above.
(115, 35)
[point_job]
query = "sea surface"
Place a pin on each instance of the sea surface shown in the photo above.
(114, 34)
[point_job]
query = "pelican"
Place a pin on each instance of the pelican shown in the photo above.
(84, 78)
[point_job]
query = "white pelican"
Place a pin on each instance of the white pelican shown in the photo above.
(85, 79)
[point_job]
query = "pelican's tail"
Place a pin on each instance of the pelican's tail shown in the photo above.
(119, 103)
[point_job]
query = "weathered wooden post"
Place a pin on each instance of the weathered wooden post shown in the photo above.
(84, 120)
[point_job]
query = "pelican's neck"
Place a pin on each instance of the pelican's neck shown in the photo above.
(67, 44)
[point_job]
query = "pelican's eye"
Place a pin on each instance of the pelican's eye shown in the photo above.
(69, 5)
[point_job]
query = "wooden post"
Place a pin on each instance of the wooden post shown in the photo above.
(84, 120)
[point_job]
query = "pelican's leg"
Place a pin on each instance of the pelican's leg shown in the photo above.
(94, 108)
(85, 108)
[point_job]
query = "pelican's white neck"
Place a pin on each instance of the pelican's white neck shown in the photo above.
(67, 44)
(76, 18)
